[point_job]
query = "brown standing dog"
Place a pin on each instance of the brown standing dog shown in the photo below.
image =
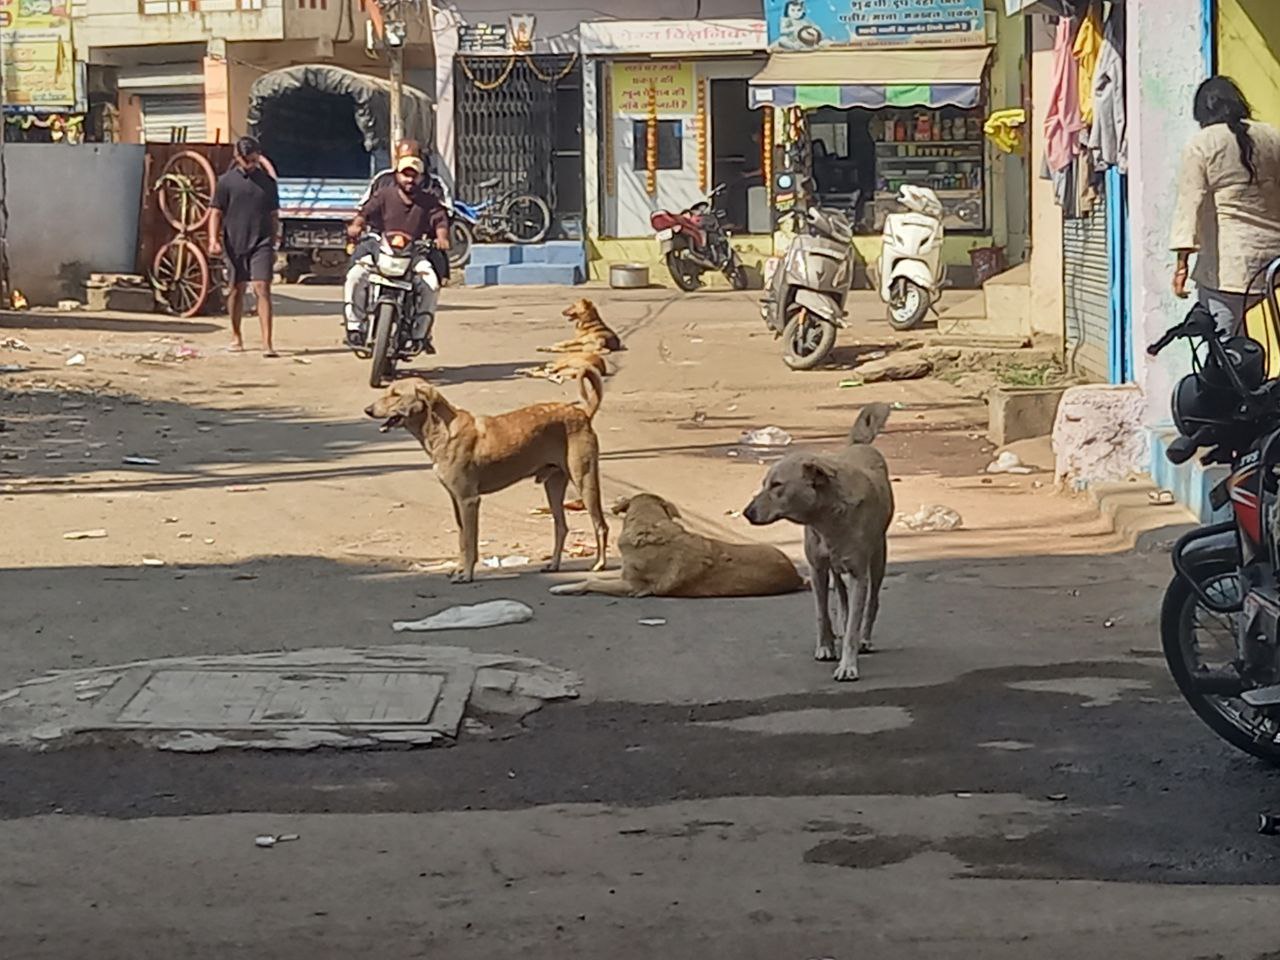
(660, 558)
(593, 334)
(845, 501)
(553, 443)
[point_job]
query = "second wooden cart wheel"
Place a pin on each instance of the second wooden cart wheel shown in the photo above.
(180, 274)
(185, 187)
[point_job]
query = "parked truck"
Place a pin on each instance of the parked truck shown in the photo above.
(326, 131)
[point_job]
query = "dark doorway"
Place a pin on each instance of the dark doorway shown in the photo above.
(519, 121)
(735, 148)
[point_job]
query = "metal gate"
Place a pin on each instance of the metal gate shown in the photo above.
(169, 118)
(1087, 281)
(519, 121)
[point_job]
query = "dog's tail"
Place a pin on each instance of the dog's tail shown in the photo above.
(871, 420)
(591, 397)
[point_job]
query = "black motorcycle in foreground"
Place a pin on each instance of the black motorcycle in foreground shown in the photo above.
(389, 336)
(1220, 621)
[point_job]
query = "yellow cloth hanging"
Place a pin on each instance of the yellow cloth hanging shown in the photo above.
(1258, 326)
(1004, 128)
(1087, 50)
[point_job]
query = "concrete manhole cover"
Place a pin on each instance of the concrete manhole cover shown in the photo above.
(332, 697)
(212, 699)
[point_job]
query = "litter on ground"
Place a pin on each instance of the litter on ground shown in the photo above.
(493, 613)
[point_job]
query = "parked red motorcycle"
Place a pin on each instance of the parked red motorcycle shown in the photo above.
(1220, 623)
(694, 241)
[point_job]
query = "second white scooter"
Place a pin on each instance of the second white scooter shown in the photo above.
(910, 275)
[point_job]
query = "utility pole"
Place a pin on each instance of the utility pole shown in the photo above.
(390, 25)
(6, 299)
(396, 55)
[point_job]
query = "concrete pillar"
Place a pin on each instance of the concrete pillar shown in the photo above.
(217, 103)
(1047, 297)
(1163, 69)
(591, 149)
(446, 42)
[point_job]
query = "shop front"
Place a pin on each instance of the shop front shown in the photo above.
(867, 101)
(672, 121)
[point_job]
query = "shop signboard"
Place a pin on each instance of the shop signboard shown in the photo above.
(799, 25)
(604, 37)
(670, 80)
(39, 67)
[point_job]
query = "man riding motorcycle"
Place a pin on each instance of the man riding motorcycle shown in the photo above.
(406, 207)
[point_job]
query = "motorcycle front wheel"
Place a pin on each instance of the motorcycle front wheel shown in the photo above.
(1197, 640)
(460, 241)
(383, 364)
(807, 340)
(909, 310)
(686, 274)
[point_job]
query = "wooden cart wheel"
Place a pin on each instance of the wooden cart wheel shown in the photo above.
(185, 186)
(180, 274)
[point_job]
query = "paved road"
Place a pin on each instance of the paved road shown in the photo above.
(1014, 777)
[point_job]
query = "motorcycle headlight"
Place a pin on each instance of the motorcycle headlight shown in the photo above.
(393, 266)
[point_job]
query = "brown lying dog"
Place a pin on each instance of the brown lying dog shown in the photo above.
(660, 558)
(593, 334)
(550, 442)
(845, 502)
(569, 366)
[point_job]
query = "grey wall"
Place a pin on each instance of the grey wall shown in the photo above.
(68, 205)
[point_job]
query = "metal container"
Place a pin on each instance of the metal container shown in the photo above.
(628, 276)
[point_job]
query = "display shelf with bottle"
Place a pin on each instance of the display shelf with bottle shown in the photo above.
(940, 149)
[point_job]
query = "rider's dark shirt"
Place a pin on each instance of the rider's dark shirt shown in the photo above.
(421, 216)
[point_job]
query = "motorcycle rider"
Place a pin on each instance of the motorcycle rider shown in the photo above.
(403, 206)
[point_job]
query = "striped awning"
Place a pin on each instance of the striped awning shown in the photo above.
(872, 78)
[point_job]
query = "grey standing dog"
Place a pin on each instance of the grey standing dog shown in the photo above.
(845, 502)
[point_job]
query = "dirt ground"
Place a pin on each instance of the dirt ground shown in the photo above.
(270, 457)
(1015, 775)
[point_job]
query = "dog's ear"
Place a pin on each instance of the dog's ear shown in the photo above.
(817, 473)
(672, 510)
(620, 506)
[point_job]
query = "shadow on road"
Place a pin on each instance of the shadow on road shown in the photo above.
(134, 323)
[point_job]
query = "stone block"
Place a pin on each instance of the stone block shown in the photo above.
(1020, 413)
(1099, 435)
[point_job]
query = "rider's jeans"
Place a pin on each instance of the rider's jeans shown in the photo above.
(426, 293)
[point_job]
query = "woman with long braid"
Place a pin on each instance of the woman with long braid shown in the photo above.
(1228, 210)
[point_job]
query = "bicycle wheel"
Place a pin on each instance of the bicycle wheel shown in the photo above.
(180, 275)
(527, 218)
(185, 189)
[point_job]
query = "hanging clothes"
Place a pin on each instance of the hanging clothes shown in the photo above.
(1086, 51)
(1109, 137)
(1063, 125)
(1004, 129)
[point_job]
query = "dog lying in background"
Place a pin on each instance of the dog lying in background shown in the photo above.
(570, 366)
(845, 501)
(660, 558)
(473, 455)
(593, 334)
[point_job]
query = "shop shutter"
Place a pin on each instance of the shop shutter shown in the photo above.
(167, 118)
(1087, 281)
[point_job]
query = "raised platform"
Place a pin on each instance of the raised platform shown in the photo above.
(557, 262)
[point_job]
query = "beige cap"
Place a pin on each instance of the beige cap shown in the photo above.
(406, 163)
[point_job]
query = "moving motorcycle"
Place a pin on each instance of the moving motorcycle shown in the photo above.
(391, 305)
(1220, 620)
(694, 241)
(805, 290)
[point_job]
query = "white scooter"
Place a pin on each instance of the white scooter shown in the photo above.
(911, 275)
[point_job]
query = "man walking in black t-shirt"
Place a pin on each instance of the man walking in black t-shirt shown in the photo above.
(242, 226)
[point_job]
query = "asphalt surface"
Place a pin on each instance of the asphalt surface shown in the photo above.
(1015, 775)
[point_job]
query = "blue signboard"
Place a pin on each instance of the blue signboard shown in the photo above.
(814, 24)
